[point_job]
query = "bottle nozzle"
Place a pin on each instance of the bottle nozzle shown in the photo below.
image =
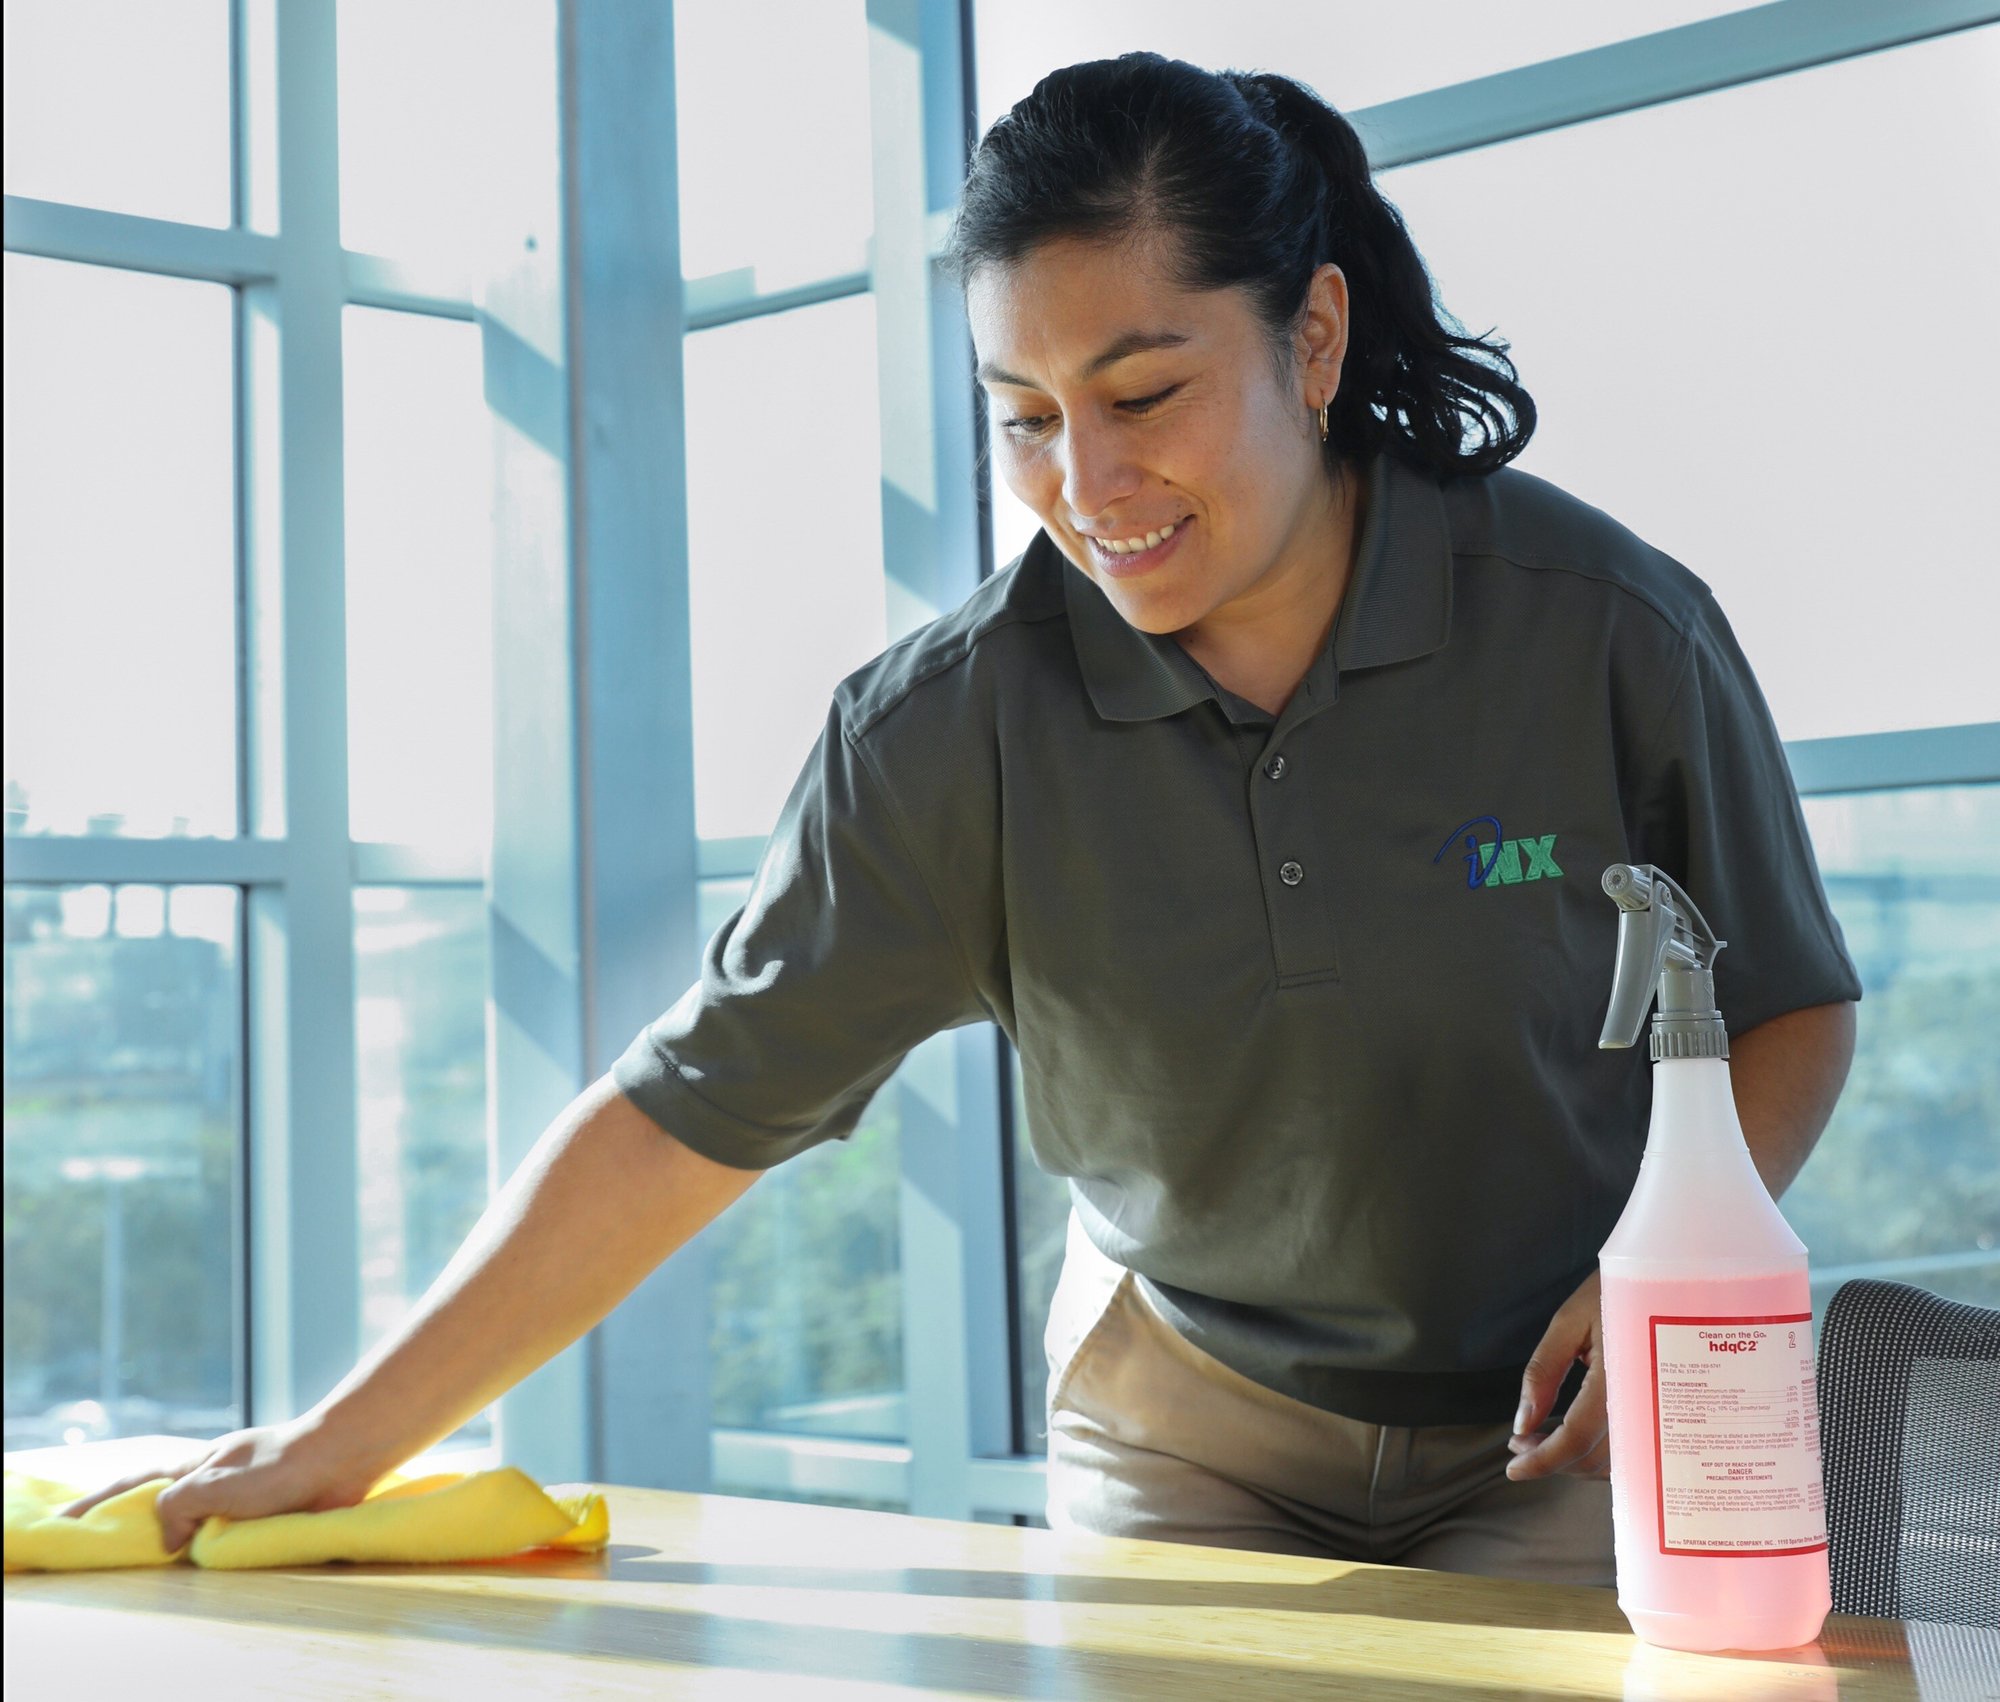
(1665, 946)
(1628, 886)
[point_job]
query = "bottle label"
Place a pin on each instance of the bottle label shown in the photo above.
(1736, 1434)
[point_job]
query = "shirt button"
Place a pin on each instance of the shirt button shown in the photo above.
(1291, 874)
(1275, 768)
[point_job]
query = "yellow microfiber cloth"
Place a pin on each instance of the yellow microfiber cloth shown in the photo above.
(450, 1516)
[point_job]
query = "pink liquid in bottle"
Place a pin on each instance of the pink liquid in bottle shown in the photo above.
(1716, 1497)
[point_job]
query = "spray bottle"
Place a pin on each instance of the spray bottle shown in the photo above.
(1718, 1509)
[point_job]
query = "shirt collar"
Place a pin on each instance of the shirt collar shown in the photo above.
(1396, 608)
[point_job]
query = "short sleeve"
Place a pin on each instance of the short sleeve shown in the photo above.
(839, 961)
(1717, 809)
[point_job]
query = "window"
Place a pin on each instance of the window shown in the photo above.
(784, 546)
(120, 553)
(86, 77)
(122, 1130)
(1707, 317)
(153, 395)
(419, 583)
(1354, 56)
(442, 108)
(774, 148)
(787, 596)
(1903, 1185)
(421, 974)
(1760, 302)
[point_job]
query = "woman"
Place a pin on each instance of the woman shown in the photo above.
(1262, 802)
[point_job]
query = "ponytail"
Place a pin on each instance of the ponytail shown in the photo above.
(1263, 183)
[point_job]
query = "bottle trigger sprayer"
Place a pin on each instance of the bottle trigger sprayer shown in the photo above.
(1718, 1509)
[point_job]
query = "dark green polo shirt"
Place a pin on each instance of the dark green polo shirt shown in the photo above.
(1308, 1008)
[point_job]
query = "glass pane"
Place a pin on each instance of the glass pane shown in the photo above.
(806, 1334)
(780, 613)
(1706, 314)
(419, 582)
(775, 170)
(123, 1071)
(421, 980)
(1373, 53)
(447, 127)
(1903, 1184)
(120, 575)
(120, 106)
(1041, 1208)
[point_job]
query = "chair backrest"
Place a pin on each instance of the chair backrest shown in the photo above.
(1909, 1399)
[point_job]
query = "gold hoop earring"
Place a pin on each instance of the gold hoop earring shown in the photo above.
(1322, 422)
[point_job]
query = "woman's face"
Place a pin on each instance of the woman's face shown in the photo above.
(1122, 405)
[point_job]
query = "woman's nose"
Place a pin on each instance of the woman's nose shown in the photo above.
(1097, 474)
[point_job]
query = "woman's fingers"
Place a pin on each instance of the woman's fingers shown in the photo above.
(1582, 1432)
(259, 1474)
(83, 1504)
(184, 1503)
(1596, 1463)
(1572, 1334)
(248, 1474)
(222, 1453)
(235, 1481)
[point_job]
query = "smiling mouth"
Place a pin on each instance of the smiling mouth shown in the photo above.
(1151, 540)
(1155, 542)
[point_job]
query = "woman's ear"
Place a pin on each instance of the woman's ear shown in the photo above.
(1321, 343)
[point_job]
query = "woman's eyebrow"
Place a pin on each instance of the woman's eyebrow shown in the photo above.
(1121, 347)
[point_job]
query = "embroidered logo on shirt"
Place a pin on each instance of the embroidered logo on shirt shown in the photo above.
(1502, 861)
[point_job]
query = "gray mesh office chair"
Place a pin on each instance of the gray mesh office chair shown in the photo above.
(1909, 1398)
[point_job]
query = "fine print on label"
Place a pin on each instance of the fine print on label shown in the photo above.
(1737, 1434)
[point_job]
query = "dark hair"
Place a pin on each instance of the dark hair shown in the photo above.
(1262, 182)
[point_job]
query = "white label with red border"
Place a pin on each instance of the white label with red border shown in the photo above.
(1736, 1436)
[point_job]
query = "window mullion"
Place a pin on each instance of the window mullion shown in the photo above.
(304, 1195)
(957, 1343)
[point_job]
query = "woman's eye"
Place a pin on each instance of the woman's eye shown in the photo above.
(1031, 426)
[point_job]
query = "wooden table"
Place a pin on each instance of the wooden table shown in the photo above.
(713, 1596)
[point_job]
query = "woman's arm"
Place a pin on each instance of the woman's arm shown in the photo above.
(1787, 1075)
(602, 1198)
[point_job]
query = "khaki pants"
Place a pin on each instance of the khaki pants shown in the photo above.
(1151, 1437)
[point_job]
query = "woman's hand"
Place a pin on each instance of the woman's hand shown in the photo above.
(280, 1468)
(1582, 1442)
